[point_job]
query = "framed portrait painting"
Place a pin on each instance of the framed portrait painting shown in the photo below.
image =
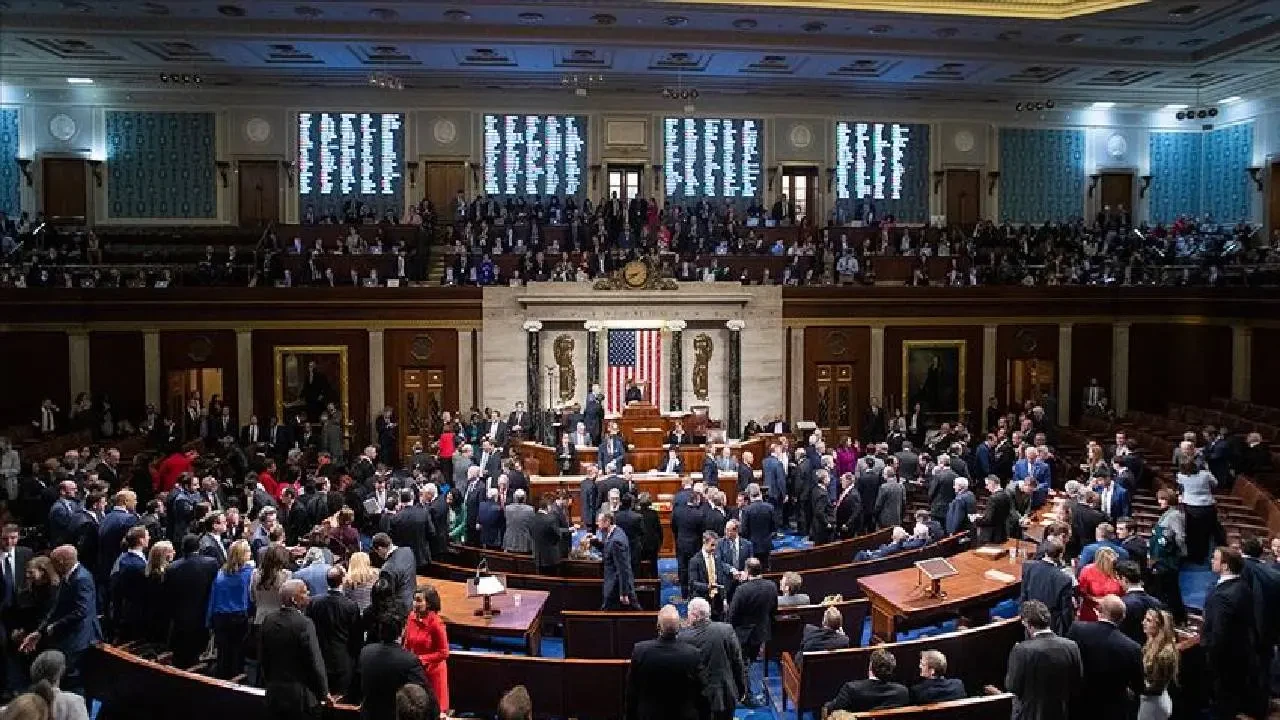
(933, 374)
(310, 379)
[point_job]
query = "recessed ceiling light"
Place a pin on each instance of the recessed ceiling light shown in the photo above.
(880, 29)
(456, 15)
(745, 23)
(1193, 42)
(530, 18)
(307, 11)
(231, 10)
(1230, 100)
(1069, 38)
(153, 8)
(675, 20)
(1184, 11)
(1176, 106)
(383, 14)
(79, 81)
(1103, 105)
(1131, 40)
(814, 27)
(604, 19)
(1008, 35)
(946, 32)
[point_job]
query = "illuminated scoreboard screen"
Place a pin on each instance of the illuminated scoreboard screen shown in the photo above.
(711, 157)
(350, 157)
(535, 155)
(882, 165)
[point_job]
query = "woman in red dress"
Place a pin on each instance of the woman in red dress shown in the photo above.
(1097, 580)
(425, 637)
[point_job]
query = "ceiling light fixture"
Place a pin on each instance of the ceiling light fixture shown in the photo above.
(1230, 100)
(1176, 106)
(79, 81)
(1103, 105)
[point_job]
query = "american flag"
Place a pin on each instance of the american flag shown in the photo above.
(633, 355)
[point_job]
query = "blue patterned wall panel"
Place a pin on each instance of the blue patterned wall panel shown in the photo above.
(10, 175)
(1176, 159)
(1041, 175)
(161, 165)
(913, 204)
(1228, 190)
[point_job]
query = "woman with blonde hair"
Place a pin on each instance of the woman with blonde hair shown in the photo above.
(1097, 580)
(230, 603)
(159, 610)
(1159, 665)
(359, 580)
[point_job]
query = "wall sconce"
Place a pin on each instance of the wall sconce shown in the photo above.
(1146, 183)
(1255, 173)
(831, 179)
(475, 172)
(657, 177)
(411, 168)
(288, 171)
(24, 166)
(223, 167)
(773, 176)
(992, 178)
(938, 177)
(595, 177)
(1093, 183)
(96, 167)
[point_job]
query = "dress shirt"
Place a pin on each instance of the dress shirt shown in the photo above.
(8, 576)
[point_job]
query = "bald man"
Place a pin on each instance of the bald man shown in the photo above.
(292, 669)
(665, 681)
(72, 625)
(1112, 664)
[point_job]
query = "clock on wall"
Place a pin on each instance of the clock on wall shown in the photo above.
(62, 127)
(801, 136)
(257, 129)
(964, 141)
(444, 131)
(1117, 146)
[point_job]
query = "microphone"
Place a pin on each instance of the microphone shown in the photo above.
(483, 567)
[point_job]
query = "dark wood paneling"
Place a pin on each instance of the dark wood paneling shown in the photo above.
(35, 367)
(1178, 363)
(964, 197)
(259, 192)
(443, 353)
(357, 344)
(185, 349)
(65, 188)
(1117, 191)
(1023, 342)
(1265, 388)
(1090, 358)
(850, 344)
(971, 334)
(116, 362)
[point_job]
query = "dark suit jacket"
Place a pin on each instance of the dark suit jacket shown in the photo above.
(72, 624)
(937, 689)
(188, 582)
(724, 550)
(632, 523)
(699, 577)
(9, 596)
(724, 672)
(1044, 674)
(290, 663)
(1136, 605)
(1264, 584)
(338, 630)
(380, 672)
(1084, 525)
(869, 694)
(546, 532)
(751, 612)
(411, 527)
(1229, 634)
(817, 639)
(401, 568)
(993, 526)
(1113, 675)
(665, 681)
(1047, 583)
(619, 580)
(757, 524)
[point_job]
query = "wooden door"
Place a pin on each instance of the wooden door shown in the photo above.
(1273, 202)
(259, 192)
(443, 181)
(964, 197)
(65, 189)
(1029, 379)
(419, 404)
(837, 407)
(624, 181)
(1117, 192)
(801, 185)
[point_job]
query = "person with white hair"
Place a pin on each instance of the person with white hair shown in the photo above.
(962, 506)
(291, 667)
(518, 516)
(49, 667)
(489, 520)
(725, 673)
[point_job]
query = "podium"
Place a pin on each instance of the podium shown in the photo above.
(645, 431)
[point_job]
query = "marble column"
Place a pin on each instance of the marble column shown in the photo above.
(377, 374)
(735, 377)
(533, 378)
(877, 366)
(1120, 367)
(1064, 374)
(988, 365)
(593, 353)
(151, 368)
(244, 375)
(1241, 362)
(78, 362)
(676, 382)
(466, 379)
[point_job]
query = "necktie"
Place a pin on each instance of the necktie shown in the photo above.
(8, 578)
(735, 552)
(711, 569)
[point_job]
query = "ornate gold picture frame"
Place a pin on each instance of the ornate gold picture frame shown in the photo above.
(933, 374)
(299, 389)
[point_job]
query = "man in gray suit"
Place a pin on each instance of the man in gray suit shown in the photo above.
(519, 535)
(1045, 670)
(724, 673)
(461, 464)
(908, 461)
(331, 437)
(891, 501)
(942, 489)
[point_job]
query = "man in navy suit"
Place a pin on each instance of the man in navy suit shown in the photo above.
(1044, 580)
(1264, 584)
(128, 597)
(187, 584)
(775, 481)
(734, 550)
(65, 516)
(710, 471)
(1113, 675)
(936, 686)
(72, 624)
(1136, 601)
(122, 516)
(612, 448)
(1230, 640)
(758, 524)
(1114, 496)
(619, 588)
(709, 576)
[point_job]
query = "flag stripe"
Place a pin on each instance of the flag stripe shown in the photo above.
(633, 355)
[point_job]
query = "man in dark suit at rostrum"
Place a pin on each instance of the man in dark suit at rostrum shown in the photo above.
(751, 614)
(993, 523)
(290, 663)
(1043, 579)
(619, 588)
(383, 668)
(665, 678)
(936, 686)
(338, 630)
(72, 623)
(868, 482)
(411, 527)
(874, 692)
(1113, 675)
(709, 577)
(724, 672)
(1230, 639)
(758, 524)
(1045, 671)
(397, 565)
(710, 471)
(549, 528)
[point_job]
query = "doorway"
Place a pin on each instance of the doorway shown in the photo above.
(801, 186)
(625, 181)
(443, 181)
(183, 384)
(64, 189)
(964, 198)
(837, 403)
(1117, 193)
(259, 192)
(1029, 379)
(419, 406)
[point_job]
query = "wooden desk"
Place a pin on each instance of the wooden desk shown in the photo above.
(464, 625)
(899, 600)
